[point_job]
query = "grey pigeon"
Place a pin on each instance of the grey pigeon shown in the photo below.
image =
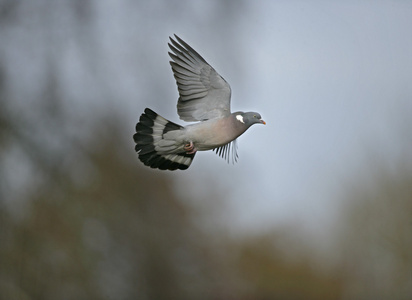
(204, 98)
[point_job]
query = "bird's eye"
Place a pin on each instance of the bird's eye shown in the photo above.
(254, 116)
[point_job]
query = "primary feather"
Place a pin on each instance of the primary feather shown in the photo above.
(204, 94)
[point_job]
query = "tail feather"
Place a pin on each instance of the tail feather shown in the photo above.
(149, 131)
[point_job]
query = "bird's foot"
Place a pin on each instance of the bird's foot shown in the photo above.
(190, 148)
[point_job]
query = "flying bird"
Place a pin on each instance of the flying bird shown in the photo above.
(204, 97)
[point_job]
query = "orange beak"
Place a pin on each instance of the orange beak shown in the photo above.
(263, 122)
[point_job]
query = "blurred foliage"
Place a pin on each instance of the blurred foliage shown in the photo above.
(376, 235)
(124, 234)
(273, 276)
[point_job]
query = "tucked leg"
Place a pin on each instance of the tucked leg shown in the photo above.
(190, 148)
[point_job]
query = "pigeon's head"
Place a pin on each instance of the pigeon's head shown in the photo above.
(250, 118)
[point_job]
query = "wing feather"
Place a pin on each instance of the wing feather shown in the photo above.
(228, 152)
(204, 94)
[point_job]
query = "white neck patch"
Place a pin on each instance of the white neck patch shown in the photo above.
(240, 118)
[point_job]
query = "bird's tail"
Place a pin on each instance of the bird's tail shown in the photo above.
(149, 132)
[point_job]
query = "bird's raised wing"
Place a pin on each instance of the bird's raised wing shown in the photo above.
(204, 94)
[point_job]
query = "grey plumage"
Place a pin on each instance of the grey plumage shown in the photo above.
(204, 96)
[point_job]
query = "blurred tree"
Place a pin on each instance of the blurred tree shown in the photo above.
(376, 237)
(271, 275)
(77, 219)
(118, 233)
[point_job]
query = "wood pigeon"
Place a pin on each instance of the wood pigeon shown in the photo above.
(204, 98)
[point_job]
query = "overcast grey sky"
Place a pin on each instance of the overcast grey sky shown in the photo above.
(332, 79)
